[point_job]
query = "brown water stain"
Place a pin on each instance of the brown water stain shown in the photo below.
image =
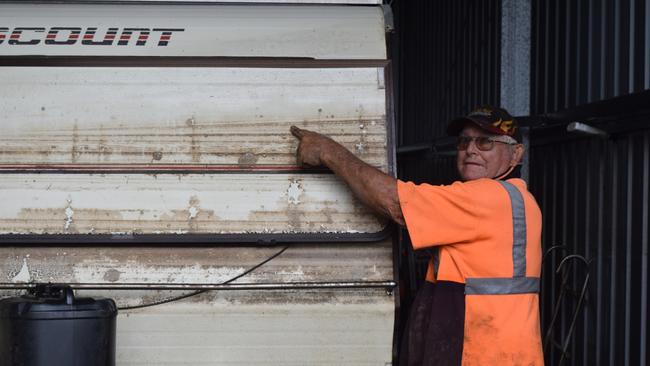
(229, 143)
(112, 275)
(247, 159)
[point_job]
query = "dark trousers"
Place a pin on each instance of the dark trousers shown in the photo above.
(435, 328)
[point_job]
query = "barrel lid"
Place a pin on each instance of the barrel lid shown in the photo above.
(54, 301)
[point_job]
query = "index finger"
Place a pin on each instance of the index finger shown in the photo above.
(297, 132)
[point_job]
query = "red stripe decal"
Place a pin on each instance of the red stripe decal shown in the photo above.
(198, 168)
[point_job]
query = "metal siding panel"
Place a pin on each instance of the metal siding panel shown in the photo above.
(612, 44)
(637, 12)
(320, 332)
(322, 32)
(646, 64)
(195, 265)
(603, 219)
(614, 238)
(591, 56)
(557, 31)
(192, 120)
(628, 250)
(632, 45)
(586, 205)
(570, 223)
(617, 33)
(515, 57)
(547, 54)
(274, 327)
(582, 54)
(217, 116)
(46, 204)
(605, 36)
(645, 219)
(600, 254)
(606, 41)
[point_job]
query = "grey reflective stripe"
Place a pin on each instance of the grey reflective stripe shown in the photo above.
(518, 283)
(501, 286)
(518, 229)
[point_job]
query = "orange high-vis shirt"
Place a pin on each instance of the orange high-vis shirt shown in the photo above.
(489, 238)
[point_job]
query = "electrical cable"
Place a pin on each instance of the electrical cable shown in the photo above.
(197, 292)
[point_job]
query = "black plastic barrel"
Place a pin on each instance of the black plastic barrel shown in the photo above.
(50, 327)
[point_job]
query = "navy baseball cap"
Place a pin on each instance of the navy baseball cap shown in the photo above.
(491, 119)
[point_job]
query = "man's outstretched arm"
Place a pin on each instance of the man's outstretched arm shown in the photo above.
(374, 188)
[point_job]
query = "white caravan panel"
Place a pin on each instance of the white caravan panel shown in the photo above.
(319, 32)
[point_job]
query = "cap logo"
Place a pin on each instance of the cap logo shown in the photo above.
(505, 126)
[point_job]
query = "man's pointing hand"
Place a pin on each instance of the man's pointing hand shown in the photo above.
(311, 147)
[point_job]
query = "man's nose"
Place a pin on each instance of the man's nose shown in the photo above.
(471, 147)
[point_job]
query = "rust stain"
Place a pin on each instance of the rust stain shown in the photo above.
(294, 218)
(328, 212)
(103, 147)
(75, 141)
(248, 159)
(195, 147)
(193, 218)
(112, 275)
(77, 220)
(227, 143)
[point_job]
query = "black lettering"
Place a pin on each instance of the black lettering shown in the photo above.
(166, 34)
(3, 35)
(53, 34)
(14, 39)
(125, 37)
(89, 37)
(71, 36)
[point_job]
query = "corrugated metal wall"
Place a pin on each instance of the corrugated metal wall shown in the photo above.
(594, 196)
(451, 53)
(594, 192)
(586, 51)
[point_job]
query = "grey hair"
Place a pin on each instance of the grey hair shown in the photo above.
(505, 138)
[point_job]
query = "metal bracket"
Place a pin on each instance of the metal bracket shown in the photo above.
(586, 129)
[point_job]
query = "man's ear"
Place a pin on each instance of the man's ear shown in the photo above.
(517, 154)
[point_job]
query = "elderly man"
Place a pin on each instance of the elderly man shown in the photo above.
(479, 304)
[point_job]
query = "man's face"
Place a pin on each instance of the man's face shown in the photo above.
(474, 163)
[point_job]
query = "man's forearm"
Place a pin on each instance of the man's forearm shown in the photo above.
(373, 187)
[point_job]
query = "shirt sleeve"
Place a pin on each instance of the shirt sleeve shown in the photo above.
(440, 215)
